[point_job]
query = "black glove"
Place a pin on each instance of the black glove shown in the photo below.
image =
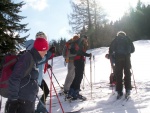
(107, 56)
(90, 55)
(52, 49)
(11, 106)
(49, 66)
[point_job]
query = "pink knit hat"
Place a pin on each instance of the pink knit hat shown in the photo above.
(40, 44)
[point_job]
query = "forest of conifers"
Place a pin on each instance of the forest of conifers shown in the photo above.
(87, 18)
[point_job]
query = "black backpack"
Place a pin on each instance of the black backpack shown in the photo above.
(122, 45)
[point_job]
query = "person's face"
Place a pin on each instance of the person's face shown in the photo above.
(43, 53)
(41, 35)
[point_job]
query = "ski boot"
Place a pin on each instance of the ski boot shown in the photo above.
(71, 95)
(127, 95)
(81, 97)
(119, 95)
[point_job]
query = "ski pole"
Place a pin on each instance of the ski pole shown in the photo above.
(57, 80)
(50, 109)
(0, 104)
(55, 76)
(91, 75)
(83, 81)
(94, 67)
(111, 77)
(87, 79)
(42, 104)
(84, 76)
(55, 91)
(134, 80)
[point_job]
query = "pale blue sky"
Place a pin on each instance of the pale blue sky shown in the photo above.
(50, 16)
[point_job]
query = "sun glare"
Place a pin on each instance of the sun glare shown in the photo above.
(115, 9)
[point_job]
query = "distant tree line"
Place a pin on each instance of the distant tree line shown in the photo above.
(87, 18)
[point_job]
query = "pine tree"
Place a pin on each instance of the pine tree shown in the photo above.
(85, 18)
(10, 27)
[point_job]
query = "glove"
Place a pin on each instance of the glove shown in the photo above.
(90, 55)
(107, 56)
(52, 49)
(11, 106)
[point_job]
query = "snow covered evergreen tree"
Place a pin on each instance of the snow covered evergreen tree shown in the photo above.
(10, 27)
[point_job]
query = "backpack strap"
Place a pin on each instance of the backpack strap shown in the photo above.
(30, 67)
(10, 62)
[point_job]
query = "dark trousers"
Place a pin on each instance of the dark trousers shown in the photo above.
(123, 64)
(79, 69)
(45, 89)
(20, 107)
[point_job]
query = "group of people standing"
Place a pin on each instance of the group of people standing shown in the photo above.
(74, 53)
(23, 89)
(119, 54)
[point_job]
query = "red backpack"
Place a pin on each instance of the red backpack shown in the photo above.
(8, 64)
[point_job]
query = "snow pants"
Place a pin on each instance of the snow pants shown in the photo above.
(79, 70)
(122, 63)
(70, 76)
(45, 89)
(20, 107)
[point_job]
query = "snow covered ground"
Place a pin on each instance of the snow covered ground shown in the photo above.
(102, 98)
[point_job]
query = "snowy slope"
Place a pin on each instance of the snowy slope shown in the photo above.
(102, 98)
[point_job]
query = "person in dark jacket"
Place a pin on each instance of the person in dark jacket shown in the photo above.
(41, 82)
(69, 58)
(121, 49)
(24, 88)
(79, 62)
